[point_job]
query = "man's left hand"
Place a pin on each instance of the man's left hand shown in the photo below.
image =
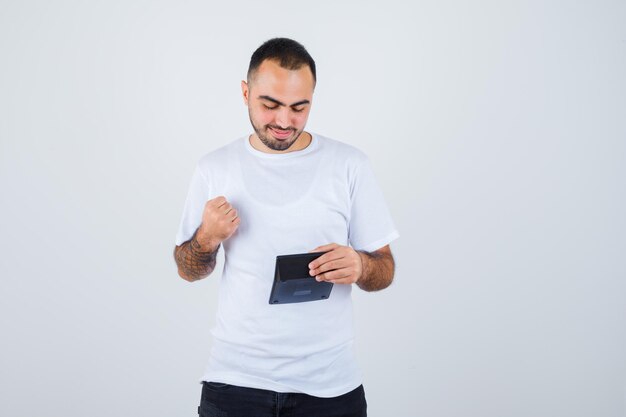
(339, 265)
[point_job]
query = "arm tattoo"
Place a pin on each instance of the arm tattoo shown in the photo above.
(194, 264)
(378, 270)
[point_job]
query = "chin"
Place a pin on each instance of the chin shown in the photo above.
(279, 145)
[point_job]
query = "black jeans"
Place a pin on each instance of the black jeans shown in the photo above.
(223, 400)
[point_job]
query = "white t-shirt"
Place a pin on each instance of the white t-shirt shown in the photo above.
(288, 203)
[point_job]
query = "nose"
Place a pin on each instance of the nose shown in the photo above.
(282, 117)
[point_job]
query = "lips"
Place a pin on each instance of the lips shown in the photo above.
(280, 134)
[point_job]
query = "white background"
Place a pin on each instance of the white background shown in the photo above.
(497, 131)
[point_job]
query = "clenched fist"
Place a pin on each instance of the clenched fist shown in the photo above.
(219, 222)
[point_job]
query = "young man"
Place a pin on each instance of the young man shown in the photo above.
(279, 191)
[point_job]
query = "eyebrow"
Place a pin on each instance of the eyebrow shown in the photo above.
(280, 103)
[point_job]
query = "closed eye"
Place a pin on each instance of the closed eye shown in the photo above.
(270, 108)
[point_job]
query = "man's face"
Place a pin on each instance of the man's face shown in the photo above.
(279, 102)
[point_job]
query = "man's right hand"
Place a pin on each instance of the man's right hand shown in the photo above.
(219, 222)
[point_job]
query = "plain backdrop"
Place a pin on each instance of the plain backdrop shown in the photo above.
(497, 131)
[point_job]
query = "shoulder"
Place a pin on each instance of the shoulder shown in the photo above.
(344, 161)
(348, 154)
(214, 166)
(220, 156)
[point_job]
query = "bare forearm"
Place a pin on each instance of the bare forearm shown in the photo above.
(195, 261)
(378, 271)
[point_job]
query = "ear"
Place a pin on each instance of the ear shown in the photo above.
(245, 91)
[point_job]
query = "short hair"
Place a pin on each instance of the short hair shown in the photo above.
(290, 55)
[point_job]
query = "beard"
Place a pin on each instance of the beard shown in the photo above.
(264, 134)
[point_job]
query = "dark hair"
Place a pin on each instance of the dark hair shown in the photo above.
(290, 55)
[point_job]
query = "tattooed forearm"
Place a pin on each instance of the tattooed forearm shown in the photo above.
(194, 263)
(378, 270)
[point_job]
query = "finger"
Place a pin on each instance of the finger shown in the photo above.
(330, 266)
(234, 224)
(327, 257)
(333, 275)
(221, 202)
(218, 201)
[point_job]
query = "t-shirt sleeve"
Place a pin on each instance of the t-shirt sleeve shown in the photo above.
(197, 197)
(371, 226)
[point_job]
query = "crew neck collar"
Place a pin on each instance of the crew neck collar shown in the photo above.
(294, 154)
